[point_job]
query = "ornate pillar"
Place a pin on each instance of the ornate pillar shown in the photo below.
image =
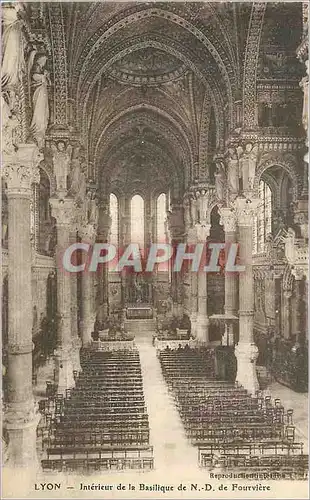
(202, 227)
(21, 419)
(76, 341)
(176, 228)
(228, 219)
(191, 241)
(246, 351)
(202, 323)
(63, 211)
(88, 302)
(104, 225)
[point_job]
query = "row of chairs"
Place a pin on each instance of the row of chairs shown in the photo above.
(231, 429)
(101, 423)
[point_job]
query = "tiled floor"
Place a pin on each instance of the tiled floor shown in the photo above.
(299, 403)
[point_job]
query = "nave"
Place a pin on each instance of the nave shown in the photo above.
(145, 408)
(136, 123)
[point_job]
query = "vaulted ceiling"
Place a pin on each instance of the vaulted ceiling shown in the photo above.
(149, 83)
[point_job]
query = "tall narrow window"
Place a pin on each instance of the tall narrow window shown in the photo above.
(137, 220)
(262, 222)
(161, 216)
(114, 219)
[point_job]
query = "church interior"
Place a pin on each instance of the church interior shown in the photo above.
(107, 371)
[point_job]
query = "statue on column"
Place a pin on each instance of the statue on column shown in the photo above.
(233, 172)
(77, 179)
(61, 161)
(93, 209)
(248, 163)
(220, 180)
(13, 61)
(203, 204)
(40, 81)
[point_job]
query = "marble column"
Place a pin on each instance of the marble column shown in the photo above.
(104, 226)
(228, 219)
(191, 241)
(76, 341)
(246, 351)
(88, 303)
(20, 172)
(202, 322)
(63, 211)
(176, 228)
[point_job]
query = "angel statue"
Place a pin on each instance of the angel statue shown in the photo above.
(40, 81)
(220, 180)
(233, 172)
(61, 162)
(93, 209)
(13, 62)
(77, 179)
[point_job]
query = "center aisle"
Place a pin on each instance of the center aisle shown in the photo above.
(172, 450)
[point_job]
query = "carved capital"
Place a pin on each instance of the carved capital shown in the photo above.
(228, 219)
(245, 209)
(20, 169)
(63, 210)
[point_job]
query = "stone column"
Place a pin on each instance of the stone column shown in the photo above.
(76, 341)
(104, 226)
(63, 211)
(88, 303)
(228, 219)
(246, 351)
(202, 323)
(191, 241)
(20, 419)
(176, 228)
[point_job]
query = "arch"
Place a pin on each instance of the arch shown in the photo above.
(250, 64)
(174, 18)
(216, 97)
(178, 138)
(48, 170)
(288, 163)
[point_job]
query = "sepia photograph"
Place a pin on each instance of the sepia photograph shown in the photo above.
(154, 249)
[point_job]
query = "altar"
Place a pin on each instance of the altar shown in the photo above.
(139, 311)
